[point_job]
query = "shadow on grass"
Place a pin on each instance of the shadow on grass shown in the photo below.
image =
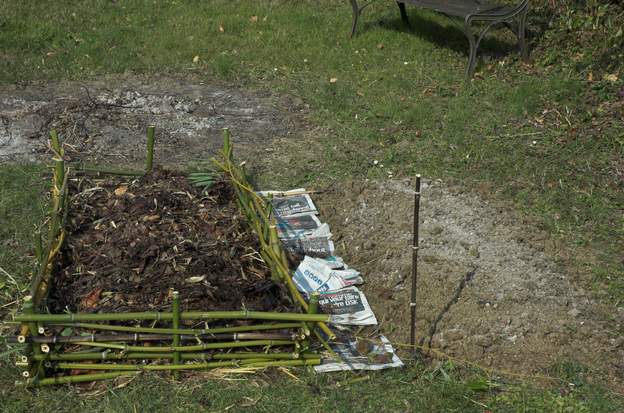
(451, 37)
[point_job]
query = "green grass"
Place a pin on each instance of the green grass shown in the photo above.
(22, 204)
(541, 139)
(419, 389)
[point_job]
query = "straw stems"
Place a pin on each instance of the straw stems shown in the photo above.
(415, 246)
(99, 170)
(150, 149)
(189, 315)
(133, 370)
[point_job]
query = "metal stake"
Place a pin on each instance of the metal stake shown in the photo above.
(415, 266)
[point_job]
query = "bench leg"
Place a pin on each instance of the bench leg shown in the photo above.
(472, 54)
(356, 14)
(524, 50)
(404, 17)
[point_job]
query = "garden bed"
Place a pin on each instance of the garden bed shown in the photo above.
(130, 242)
(134, 272)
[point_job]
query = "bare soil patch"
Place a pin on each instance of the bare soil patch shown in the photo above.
(518, 309)
(104, 121)
(130, 243)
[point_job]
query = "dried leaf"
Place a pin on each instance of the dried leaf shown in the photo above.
(250, 402)
(91, 299)
(150, 218)
(121, 190)
(612, 77)
(254, 19)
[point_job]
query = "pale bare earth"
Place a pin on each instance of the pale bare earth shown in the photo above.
(520, 310)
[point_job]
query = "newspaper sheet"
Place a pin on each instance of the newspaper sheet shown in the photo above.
(293, 205)
(312, 246)
(348, 306)
(361, 354)
(297, 226)
(315, 274)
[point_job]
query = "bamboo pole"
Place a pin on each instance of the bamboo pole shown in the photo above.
(40, 283)
(255, 208)
(188, 331)
(59, 163)
(138, 337)
(198, 347)
(257, 363)
(415, 247)
(108, 355)
(81, 378)
(176, 325)
(285, 363)
(188, 315)
(150, 149)
(38, 368)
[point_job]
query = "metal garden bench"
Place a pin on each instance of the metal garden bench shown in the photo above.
(470, 11)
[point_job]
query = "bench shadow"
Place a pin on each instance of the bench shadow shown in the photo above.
(451, 37)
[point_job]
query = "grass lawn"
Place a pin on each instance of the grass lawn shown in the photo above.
(542, 138)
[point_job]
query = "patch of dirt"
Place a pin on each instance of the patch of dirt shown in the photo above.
(130, 243)
(105, 121)
(517, 309)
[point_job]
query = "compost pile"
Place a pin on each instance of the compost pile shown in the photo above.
(131, 242)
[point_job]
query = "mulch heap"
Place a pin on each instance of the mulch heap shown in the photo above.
(132, 241)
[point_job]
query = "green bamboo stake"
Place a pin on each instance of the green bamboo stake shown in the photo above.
(81, 378)
(107, 355)
(284, 363)
(184, 331)
(312, 309)
(189, 315)
(176, 325)
(148, 367)
(150, 149)
(32, 327)
(59, 164)
(139, 337)
(198, 347)
(256, 363)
